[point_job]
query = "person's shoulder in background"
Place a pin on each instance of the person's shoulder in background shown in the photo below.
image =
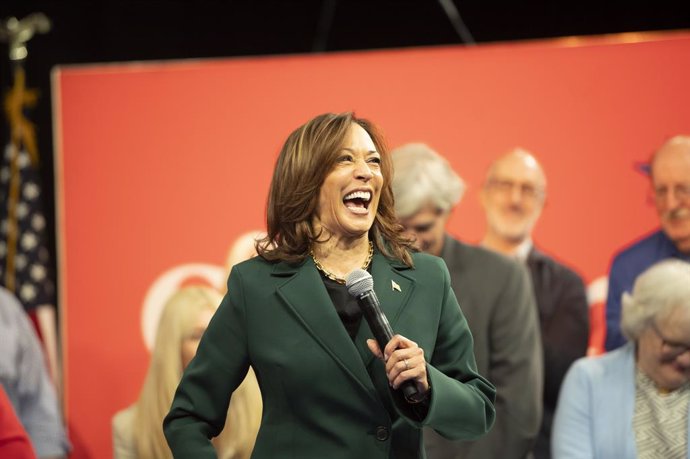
(10, 307)
(558, 266)
(14, 441)
(474, 258)
(642, 250)
(123, 434)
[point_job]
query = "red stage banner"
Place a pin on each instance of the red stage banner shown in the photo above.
(160, 167)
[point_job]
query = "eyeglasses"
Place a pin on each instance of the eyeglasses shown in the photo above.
(527, 190)
(670, 349)
(681, 192)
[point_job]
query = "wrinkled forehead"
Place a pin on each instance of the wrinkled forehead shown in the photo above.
(672, 162)
(519, 169)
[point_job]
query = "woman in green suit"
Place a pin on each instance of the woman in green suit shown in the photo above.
(328, 390)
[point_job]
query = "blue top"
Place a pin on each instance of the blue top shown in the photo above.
(596, 406)
(25, 378)
(626, 266)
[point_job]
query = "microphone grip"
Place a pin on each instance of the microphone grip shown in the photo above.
(409, 390)
(383, 333)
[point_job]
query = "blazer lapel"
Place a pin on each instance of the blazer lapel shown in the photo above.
(542, 282)
(393, 289)
(304, 293)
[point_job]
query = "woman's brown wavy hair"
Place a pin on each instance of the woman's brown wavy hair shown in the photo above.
(307, 157)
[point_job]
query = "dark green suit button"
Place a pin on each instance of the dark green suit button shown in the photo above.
(382, 433)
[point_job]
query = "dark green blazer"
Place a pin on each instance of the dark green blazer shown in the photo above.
(325, 396)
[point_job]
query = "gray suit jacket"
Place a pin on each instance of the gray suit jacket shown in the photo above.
(497, 299)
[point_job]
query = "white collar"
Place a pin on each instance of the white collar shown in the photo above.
(522, 251)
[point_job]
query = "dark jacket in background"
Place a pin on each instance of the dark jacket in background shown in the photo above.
(564, 320)
(496, 298)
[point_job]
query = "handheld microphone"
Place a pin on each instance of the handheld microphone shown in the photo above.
(360, 285)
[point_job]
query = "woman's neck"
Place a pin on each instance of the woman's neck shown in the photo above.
(340, 256)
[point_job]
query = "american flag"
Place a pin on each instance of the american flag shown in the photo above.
(24, 257)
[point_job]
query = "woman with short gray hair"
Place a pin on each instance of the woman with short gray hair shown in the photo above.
(423, 177)
(656, 293)
(633, 402)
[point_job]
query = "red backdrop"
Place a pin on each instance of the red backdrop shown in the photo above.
(164, 164)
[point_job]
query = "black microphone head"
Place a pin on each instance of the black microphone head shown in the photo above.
(358, 282)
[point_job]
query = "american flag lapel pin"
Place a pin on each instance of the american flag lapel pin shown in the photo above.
(395, 286)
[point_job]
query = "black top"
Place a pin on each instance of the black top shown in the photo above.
(345, 305)
(351, 315)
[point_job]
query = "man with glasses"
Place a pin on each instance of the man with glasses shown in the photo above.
(513, 197)
(496, 298)
(670, 188)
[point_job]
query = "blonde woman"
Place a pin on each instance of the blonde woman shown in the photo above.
(137, 430)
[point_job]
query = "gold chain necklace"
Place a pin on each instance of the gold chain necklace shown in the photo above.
(332, 276)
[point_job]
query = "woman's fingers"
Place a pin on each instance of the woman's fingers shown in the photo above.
(374, 348)
(396, 343)
(405, 362)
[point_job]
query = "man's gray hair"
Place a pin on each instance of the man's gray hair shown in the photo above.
(657, 291)
(422, 176)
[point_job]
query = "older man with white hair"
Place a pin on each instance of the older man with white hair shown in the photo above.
(496, 298)
(670, 189)
(513, 197)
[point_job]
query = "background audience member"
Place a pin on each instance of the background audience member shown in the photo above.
(670, 180)
(633, 402)
(513, 197)
(14, 442)
(138, 430)
(243, 248)
(495, 296)
(24, 376)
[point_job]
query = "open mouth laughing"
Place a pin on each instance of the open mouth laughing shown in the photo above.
(358, 201)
